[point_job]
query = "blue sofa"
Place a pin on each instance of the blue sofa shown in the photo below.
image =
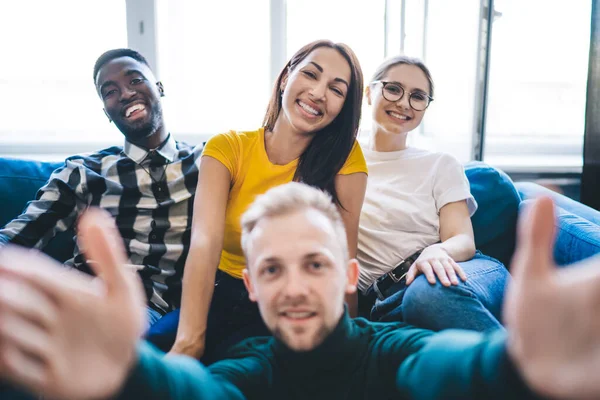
(494, 223)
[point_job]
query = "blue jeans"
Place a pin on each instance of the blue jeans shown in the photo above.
(232, 317)
(153, 316)
(475, 304)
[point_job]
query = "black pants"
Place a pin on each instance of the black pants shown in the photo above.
(232, 317)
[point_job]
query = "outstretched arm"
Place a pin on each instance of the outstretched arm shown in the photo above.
(175, 377)
(68, 335)
(462, 365)
(553, 343)
(553, 314)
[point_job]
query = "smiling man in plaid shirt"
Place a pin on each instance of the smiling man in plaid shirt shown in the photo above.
(148, 184)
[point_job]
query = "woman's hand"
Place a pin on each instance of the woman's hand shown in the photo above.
(456, 233)
(435, 260)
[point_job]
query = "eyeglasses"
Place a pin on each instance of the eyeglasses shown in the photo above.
(393, 91)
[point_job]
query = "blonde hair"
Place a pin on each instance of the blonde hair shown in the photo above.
(286, 199)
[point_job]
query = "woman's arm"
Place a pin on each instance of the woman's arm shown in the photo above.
(457, 244)
(456, 231)
(208, 226)
(351, 193)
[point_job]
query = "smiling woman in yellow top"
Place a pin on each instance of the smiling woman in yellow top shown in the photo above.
(308, 135)
(252, 173)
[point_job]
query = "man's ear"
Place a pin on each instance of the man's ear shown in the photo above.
(107, 116)
(368, 94)
(248, 284)
(161, 88)
(352, 272)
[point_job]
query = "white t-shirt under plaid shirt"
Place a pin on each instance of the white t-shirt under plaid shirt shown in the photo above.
(153, 213)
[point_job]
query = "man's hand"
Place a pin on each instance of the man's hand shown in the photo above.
(64, 334)
(553, 315)
(432, 261)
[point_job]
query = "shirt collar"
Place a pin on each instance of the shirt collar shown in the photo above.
(138, 154)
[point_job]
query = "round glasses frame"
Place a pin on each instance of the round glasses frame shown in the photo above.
(401, 95)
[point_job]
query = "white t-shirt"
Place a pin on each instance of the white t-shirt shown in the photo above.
(405, 191)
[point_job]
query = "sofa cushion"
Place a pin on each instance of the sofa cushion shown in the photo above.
(494, 222)
(19, 182)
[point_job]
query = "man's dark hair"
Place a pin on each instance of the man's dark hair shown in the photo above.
(116, 53)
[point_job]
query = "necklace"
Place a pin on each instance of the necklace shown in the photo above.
(154, 156)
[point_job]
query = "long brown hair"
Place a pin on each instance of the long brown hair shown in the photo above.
(330, 147)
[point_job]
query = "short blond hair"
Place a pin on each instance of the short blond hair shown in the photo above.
(286, 199)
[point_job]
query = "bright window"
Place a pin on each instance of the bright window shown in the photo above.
(359, 24)
(214, 60)
(538, 78)
(49, 49)
(450, 53)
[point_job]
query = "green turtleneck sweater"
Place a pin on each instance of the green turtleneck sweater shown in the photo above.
(359, 360)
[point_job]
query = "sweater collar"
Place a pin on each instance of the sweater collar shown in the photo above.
(339, 351)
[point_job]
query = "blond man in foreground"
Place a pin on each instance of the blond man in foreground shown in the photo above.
(55, 340)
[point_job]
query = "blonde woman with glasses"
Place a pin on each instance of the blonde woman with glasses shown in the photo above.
(416, 247)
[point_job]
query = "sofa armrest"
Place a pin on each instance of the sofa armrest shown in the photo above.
(495, 222)
(19, 181)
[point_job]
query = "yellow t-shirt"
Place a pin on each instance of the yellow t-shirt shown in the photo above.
(252, 174)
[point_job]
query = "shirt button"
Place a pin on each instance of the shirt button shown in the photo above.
(153, 237)
(159, 189)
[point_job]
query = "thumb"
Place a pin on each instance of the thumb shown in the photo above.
(103, 246)
(535, 240)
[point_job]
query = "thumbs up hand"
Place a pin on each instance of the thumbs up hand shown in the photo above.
(553, 315)
(65, 334)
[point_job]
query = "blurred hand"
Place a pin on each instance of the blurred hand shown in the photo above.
(553, 315)
(64, 334)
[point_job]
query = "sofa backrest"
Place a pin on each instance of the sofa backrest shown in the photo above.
(494, 223)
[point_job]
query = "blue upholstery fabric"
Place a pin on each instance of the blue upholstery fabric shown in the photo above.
(19, 182)
(495, 221)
